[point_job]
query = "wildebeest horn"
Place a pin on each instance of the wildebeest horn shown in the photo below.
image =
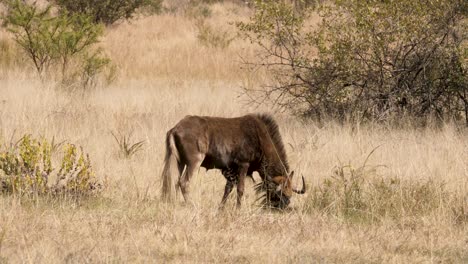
(303, 187)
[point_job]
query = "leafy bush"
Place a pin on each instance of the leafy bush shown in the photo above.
(367, 60)
(198, 10)
(50, 40)
(32, 31)
(26, 168)
(152, 7)
(109, 11)
(212, 37)
(92, 66)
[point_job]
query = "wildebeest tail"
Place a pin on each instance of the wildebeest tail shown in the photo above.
(170, 169)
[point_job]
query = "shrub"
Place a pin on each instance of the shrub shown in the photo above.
(61, 40)
(367, 60)
(152, 7)
(27, 169)
(92, 66)
(109, 11)
(198, 11)
(32, 31)
(212, 37)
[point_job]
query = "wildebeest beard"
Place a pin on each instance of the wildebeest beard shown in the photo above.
(270, 197)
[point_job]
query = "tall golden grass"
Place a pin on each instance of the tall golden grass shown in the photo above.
(165, 73)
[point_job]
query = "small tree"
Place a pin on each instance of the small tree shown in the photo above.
(366, 60)
(54, 40)
(33, 31)
(75, 34)
(108, 11)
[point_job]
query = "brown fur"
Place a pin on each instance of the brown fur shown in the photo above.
(244, 144)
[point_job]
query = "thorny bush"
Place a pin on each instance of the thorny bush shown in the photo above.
(366, 60)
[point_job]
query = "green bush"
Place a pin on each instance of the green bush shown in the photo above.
(367, 60)
(27, 169)
(92, 66)
(212, 37)
(109, 11)
(32, 31)
(56, 40)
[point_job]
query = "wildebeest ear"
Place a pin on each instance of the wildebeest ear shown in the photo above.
(291, 175)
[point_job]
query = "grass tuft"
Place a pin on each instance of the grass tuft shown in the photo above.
(127, 149)
(361, 194)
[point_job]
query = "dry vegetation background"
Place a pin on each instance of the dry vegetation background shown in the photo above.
(163, 73)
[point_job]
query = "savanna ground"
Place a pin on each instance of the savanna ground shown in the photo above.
(165, 73)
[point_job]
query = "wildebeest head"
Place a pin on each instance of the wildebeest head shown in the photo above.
(278, 190)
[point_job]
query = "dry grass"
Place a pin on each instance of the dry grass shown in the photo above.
(165, 74)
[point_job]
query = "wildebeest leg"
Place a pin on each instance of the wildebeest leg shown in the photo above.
(180, 167)
(192, 168)
(240, 183)
(227, 191)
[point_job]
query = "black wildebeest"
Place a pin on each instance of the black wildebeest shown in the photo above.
(238, 147)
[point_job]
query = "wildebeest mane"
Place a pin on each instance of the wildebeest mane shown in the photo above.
(275, 136)
(265, 187)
